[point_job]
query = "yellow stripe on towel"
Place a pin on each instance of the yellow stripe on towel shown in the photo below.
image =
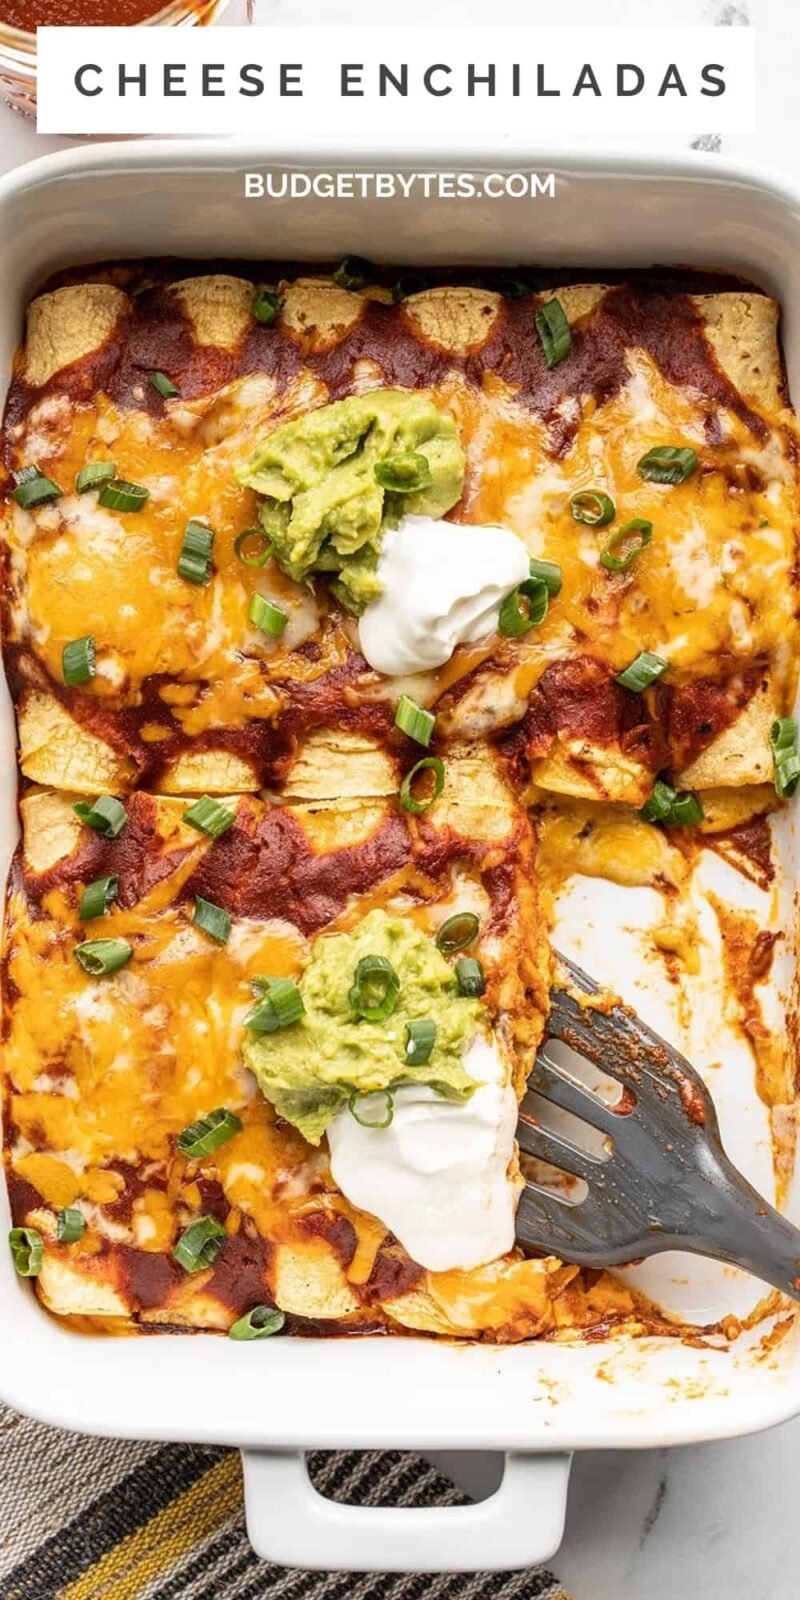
(126, 1570)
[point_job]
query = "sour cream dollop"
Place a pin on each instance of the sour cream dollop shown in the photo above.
(438, 1176)
(443, 584)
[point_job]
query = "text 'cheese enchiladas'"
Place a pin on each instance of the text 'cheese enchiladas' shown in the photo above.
(347, 619)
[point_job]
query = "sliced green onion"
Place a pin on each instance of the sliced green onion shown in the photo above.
(420, 1040)
(27, 1248)
(78, 661)
(257, 557)
(470, 977)
(33, 488)
(408, 800)
(93, 473)
(212, 919)
(353, 273)
(119, 495)
(376, 989)
(106, 814)
(636, 535)
(208, 816)
(548, 573)
(278, 1007)
(201, 1138)
(100, 957)
(516, 618)
(553, 330)
(673, 807)
(200, 1244)
(194, 561)
(164, 385)
(408, 283)
(668, 463)
(643, 671)
(414, 720)
(260, 1323)
(70, 1224)
(374, 1109)
(404, 473)
(457, 932)
(97, 897)
(269, 618)
(783, 739)
(593, 508)
(266, 307)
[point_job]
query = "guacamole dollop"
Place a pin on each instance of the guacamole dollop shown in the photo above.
(309, 1070)
(324, 508)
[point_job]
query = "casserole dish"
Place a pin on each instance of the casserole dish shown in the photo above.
(536, 1401)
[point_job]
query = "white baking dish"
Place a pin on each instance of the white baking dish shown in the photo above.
(537, 1402)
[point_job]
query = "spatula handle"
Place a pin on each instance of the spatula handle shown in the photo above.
(742, 1229)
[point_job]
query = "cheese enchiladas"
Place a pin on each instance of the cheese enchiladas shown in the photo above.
(345, 618)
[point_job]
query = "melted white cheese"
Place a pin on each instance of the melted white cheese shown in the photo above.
(438, 1176)
(443, 584)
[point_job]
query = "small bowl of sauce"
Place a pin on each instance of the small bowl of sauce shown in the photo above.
(19, 20)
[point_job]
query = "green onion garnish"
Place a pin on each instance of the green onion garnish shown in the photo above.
(93, 473)
(269, 618)
(266, 307)
(411, 802)
(201, 1138)
(260, 547)
(208, 816)
(260, 1323)
(165, 386)
(593, 508)
(515, 617)
(674, 808)
(100, 957)
(633, 537)
(70, 1224)
(200, 1244)
(78, 661)
(408, 283)
(194, 561)
(783, 738)
(33, 488)
(280, 1004)
(404, 473)
(374, 1109)
(106, 814)
(376, 989)
(97, 897)
(548, 573)
(553, 330)
(212, 919)
(646, 669)
(119, 495)
(470, 977)
(27, 1248)
(668, 463)
(420, 1040)
(353, 273)
(414, 720)
(457, 932)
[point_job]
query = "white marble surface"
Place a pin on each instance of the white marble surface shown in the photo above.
(715, 1520)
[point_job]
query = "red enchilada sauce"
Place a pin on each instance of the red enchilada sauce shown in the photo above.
(30, 14)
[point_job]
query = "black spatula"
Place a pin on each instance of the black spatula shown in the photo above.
(663, 1180)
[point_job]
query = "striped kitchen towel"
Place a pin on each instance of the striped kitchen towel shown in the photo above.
(102, 1519)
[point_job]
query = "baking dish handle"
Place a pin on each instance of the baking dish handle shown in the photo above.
(290, 1523)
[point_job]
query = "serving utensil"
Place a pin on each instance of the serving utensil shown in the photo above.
(660, 1179)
